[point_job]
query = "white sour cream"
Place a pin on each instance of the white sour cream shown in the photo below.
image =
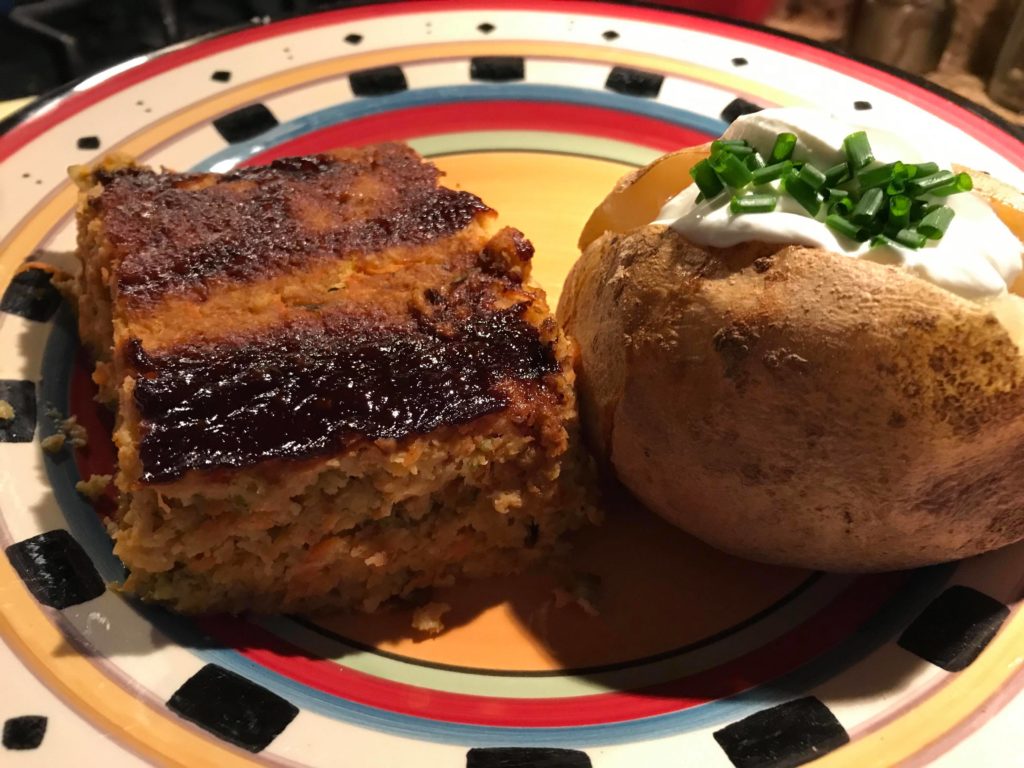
(977, 258)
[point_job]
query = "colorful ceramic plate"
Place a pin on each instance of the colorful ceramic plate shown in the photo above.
(694, 658)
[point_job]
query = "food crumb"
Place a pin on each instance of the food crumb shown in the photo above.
(75, 432)
(69, 432)
(54, 443)
(6, 411)
(427, 618)
(94, 487)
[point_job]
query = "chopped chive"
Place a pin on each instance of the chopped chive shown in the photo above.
(924, 169)
(919, 185)
(837, 174)
(858, 150)
(843, 206)
(868, 206)
(933, 226)
(835, 193)
(785, 143)
(706, 179)
(815, 179)
(910, 238)
(802, 192)
(901, 174)
(921, 208)
(726, 143)
(962, 183)
(878, 240)
(739, 148)
(757, 202)
(771, 172)
(846, 227)
(876, 177)
(730, 169)
(899, 211)
(896, 187)
(753, 161)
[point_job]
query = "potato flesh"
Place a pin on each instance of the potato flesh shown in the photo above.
(636, 199)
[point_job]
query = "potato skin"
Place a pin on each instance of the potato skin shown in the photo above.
(796, 406)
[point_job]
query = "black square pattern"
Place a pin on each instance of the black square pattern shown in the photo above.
(955, 628)
(25, 732)
(634, 82)
(22, 397)
(497, 69)
(245, 123)
(738, 107)
(233, 708)
(378, 82)
(56, 569)
(526, 757)
(31, 295)
(784, 736)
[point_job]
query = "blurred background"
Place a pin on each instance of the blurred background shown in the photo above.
(973, 47)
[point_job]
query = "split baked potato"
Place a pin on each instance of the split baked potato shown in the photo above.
(793, 405)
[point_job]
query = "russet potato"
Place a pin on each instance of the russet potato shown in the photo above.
(794, 405)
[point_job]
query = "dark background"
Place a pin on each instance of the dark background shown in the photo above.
(44, 43)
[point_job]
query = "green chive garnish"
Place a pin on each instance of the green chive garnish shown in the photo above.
(753, 203)
(837, 174)
(858, 150)
(924, 169)
(896, 187)
(846, 227)
(910, 238)
(901, 174)
(785, 143)
(875, 177)
(933, 226)
(962, 183)
(730, 169)
(899, 211)
(802, 192)
(919, 185)
(718, 144)
(891, 204)
(706, 179)
(771, 172)
(736, 147)
(868, 206)
(843, 206)
(815, 179)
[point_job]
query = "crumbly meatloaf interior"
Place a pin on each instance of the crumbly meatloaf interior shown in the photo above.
(334, 384)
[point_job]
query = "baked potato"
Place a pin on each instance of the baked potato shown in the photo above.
(793, 405)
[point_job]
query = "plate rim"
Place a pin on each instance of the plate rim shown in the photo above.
(29, 111)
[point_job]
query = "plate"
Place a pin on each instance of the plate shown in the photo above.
(670, 653)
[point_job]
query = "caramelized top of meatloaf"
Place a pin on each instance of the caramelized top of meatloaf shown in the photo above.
(288, 311)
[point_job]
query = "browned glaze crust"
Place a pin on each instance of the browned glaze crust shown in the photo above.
(315, 384)
(177, 232)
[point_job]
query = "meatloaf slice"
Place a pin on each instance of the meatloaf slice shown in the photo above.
(334, 382)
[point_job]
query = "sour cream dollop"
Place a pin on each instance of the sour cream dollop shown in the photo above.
(977, 258)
